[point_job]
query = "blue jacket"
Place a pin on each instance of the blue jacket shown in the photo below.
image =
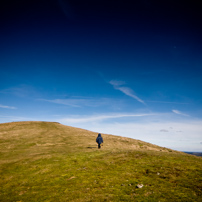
(99, 139)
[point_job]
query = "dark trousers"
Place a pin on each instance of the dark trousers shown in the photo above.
(99, 146)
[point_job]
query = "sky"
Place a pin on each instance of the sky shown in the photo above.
(127, 68)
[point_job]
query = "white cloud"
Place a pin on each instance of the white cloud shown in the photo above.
(98, 118)
(79, 102)
(69, 102)
(130, 92)
(179, 112)
(180, 103)
(118, 85)
(7, 107)
(21, 91)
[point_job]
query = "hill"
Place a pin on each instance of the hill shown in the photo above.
(195, 153)
(45, 161)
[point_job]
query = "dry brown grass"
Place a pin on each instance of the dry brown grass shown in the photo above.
(37, 139)
(47, 134)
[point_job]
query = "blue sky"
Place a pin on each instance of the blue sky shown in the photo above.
(128, 68)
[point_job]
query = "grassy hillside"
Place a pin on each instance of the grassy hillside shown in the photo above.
(43, 161)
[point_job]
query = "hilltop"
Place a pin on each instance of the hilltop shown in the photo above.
(47, 161)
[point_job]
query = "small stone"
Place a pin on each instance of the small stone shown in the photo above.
(139, 186)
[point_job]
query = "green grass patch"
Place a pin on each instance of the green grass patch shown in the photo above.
(42, 161)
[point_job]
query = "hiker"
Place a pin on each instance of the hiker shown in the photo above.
(99, 140)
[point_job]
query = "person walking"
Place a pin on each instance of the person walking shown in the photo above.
(99, 140)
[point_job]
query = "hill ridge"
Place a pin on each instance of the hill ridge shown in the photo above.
(114, 141)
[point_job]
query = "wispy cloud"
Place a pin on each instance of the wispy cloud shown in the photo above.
(69, 102)
(118, 85)
(167, 102)
(7, 107)
(80, 101)
(179, 112)
(98, 118)
(20, 91)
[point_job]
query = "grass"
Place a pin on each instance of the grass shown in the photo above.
(43, 161)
